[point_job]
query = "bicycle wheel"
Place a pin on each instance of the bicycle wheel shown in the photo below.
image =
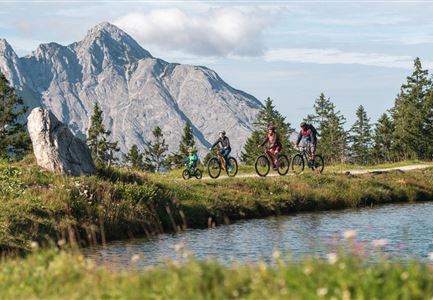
(262, 165)
(319, 164)
(298, 164)
(214, 167)
(186, 175)
(198, 174)
(234, 164)
(283, 165)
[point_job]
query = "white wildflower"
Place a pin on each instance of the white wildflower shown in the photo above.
(349, 234)
(332, 258)
(321, 292)
(379, 243)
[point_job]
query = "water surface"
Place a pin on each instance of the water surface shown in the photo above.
(408, 229)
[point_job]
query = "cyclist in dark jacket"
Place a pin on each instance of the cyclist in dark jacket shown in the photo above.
(225, 147)
(308, 135)
(274, 145)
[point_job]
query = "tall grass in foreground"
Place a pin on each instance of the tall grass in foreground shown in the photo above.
(62, 275)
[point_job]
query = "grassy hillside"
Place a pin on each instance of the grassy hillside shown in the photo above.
(53, 275)
(36, 205)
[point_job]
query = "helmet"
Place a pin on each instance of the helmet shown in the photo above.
(271, 127)
(223, 132)
(303, 124)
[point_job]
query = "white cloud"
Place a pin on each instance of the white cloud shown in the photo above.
(217, 32)
(335, 56)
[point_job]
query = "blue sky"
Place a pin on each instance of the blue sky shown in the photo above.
(356, 52)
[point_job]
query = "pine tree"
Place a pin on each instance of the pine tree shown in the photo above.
(97, 139)
(409, 117)
(332, 142)
(383, 140)
(428, 124)
(323, 108)
(14, 139)
(361, 138)
(178, 158)
(134, 158)
(268, 115)
(155, 154)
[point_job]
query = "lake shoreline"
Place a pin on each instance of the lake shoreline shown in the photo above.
(50, 209)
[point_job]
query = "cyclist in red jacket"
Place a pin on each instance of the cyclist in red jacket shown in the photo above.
(274, 145)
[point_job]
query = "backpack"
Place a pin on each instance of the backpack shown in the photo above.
(313, 130)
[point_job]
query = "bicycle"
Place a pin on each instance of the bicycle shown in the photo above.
(263, 164)
(299, 159)
(218, 163)
(191, 172)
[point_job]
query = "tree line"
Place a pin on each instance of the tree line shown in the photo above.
(403, 132)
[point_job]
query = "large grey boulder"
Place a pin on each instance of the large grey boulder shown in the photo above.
(55, 147)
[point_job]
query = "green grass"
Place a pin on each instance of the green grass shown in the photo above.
(62, 275)
(36, 205)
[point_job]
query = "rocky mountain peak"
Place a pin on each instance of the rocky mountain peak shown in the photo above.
(5, 48)
(135, 90)
(106, 38)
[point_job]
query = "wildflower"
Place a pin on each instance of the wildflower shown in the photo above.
(346, 295)
(179, 246)
(34, 245)
(404, 276)
(321, 292)
(61, 243)
(379, 243)
(135, 258)
(332, 258)
(276, 254)
(349, 234)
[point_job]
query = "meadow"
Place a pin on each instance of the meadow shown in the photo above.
(37, 205)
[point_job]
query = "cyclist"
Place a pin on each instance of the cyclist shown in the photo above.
(192, 158)
(274, 145)
(225, 147)
(308, 135)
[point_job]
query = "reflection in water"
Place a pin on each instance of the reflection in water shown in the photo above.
(408, 229)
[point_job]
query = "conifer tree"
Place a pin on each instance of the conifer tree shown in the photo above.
(383, 139)
(14, 139)
(97, 139)
(409, 117)
(268, 115)
(361, 138)
(134, 158)
(155, 154)
(428, 124)
(178, 158)
(332, 142)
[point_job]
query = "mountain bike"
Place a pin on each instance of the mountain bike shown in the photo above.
(263, 164)
(298, 161)
(218, 163)
(191, 172)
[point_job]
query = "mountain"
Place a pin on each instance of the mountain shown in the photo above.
(135, 90)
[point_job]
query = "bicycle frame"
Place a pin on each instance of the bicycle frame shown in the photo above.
(305, 153)
(221, 159)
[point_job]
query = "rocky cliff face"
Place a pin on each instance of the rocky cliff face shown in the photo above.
(135, 90)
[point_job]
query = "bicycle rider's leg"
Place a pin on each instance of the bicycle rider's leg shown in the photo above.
(313, 151)
(272, 152)
(225, 153)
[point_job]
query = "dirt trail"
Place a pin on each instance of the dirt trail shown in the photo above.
(353, 172)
